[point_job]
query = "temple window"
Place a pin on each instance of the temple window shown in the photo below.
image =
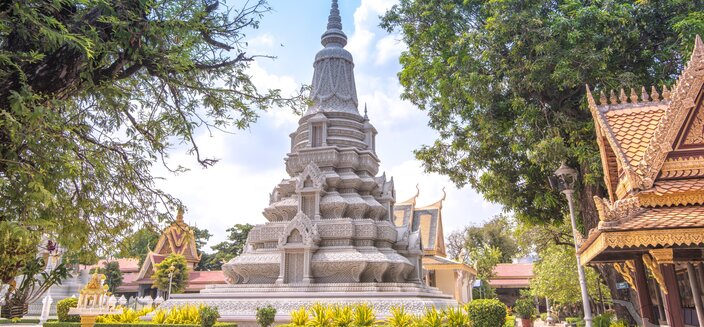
(308, 205)
(317, 135)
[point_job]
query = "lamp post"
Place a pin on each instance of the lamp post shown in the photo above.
(171, 278)
(564, 181)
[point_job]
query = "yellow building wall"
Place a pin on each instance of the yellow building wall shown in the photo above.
(446, 281)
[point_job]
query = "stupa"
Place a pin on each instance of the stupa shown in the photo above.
(330, 235)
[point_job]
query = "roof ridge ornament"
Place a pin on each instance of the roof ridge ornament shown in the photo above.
(334, 36)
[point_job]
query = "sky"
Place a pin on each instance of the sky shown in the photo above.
(236, 190)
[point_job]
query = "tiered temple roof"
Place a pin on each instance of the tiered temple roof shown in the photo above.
(652, 151)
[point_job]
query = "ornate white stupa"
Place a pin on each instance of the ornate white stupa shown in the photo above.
(330, 235)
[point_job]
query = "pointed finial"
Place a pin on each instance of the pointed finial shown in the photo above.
(444, 195)
(665, 93)
(417, 191)
(179, 215)
(698, 44)
(602, 98)
(623, 97)
(365, 111)
(654, 94)
(643, 94)
(612, 98)
(634, 96)
(334, 34)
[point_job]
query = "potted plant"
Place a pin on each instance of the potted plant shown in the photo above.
(525, 310)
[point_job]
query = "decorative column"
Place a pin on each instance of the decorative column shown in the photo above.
(665, 261)
(644, 301)
(696, 294)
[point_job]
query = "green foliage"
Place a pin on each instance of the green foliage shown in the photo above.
(524, 308)
(556, 276)
(603, 320)
(486, 313)
(128, 316)
(299, 317)
(503, 85)
(62, 308)
(180, 274)
(224, 251)
(140, 324)
(399, 318)
(121, 82)
(266, 316)
(187, 314)
(138, 243)
(432, 318)
(363, 315)
(456, 317)
(620, 323)
(19, 321)
(342, 316)
(18, 245)
(510, 321)
(208, 316)
(35, 282)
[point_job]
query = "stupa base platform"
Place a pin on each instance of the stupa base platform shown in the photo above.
(238, 303)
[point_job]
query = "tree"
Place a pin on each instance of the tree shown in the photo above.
(224, 251)
(18, 246)
(161, 276)
(93, 93)
(138, 244)
(456, 244)
(496, 233)
(484, 259)
(503, 84)
(556, 277)
(202, 236)
(36, 279)
(113, 275)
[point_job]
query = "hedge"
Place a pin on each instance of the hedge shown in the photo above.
(486, 313)
(145, 324)
(20, 321)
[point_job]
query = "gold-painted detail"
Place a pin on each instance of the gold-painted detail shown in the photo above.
(655, 270)
(640, 238)
(663, 256)
(626, 270)
(652, 199)
(620, 209)
(622, 188)
(674, 165)
(88, 321)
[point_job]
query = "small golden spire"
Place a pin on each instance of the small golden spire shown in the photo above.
(613, 98)
(698, 44)
(179, 215)
(623, 96)
(643, 94)
(602, 98)
(665, 93)
(634, 96)
(654, 94)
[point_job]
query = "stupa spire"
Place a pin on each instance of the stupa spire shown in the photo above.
(334, 34)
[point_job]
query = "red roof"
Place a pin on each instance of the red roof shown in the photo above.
(206, 277)
(510, 283)
(128, 278)
(520, 270)
(126, 264)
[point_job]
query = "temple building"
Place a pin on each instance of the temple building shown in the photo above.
(451, 277)
(509, 279)
(178, 238)
(330, 235)
(652, 222)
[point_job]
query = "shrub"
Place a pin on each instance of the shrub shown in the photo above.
(363, 315)
(266, 316)
(432, 318)
(486, 313)
(342, 316)
(510, 321)
(62, 308)
(620, 323)
(299, 317)
(140, 324)
(128, 316)
(187, 314)
(603, 320)
(456, 317)
(524, 308)
(399, 318)
(208, 316)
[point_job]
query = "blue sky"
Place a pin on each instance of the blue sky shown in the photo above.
(251, 161)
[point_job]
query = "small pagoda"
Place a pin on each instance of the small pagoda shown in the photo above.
(451, 277)
(652, 222)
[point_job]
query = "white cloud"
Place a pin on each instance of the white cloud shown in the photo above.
(366, 21)
(261, 41)
(281, 117)
(389, 47)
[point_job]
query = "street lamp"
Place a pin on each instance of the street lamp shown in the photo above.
(564, 181)
(171, 278)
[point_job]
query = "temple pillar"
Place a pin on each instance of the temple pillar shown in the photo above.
(696, 293)
(644, 302)
(661, 303)
(672, 298)
(306, 266)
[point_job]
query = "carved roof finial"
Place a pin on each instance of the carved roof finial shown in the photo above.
(634, 96)
(665, 93)
(179, 215)
(613, 98)
(334, 34)
(365, 112)
(602, 98)
(643, 94)
(698, 44)
(417, 191)
(623, 97)
(444, 194)
(654, 94)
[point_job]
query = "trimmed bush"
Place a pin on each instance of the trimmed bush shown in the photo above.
(510, 321)
(19, 321)
(486, 313)
(603, 320)
(208, 316)
(62, 308)
(266, 316)
(524, 308)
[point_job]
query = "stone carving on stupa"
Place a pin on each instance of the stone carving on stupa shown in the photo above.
(330, 236)
(331, 220)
